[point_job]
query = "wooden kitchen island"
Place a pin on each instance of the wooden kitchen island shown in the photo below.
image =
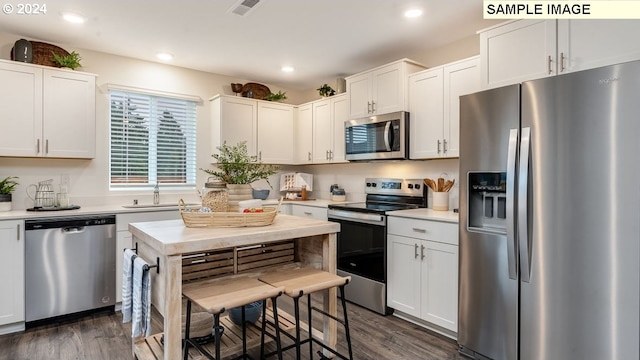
(170, 243)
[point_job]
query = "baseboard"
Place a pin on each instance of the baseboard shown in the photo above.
(12, 328)
(427, 325)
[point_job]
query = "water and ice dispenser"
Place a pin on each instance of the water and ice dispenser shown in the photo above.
(487, 198)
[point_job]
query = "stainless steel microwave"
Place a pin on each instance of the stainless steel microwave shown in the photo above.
(378, 137)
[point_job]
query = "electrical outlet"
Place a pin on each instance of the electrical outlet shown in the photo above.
(65, 180)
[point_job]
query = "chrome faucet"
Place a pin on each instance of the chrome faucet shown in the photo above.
(156, 195)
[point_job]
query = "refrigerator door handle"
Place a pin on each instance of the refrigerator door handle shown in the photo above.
(512, 249)
(523, 185)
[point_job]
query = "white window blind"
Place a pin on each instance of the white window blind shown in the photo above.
(152, 140)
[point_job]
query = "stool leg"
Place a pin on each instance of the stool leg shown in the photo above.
(310, 326)
(277, 326)
(186, 331)
(244, 334)
(218, 334)
(264, 327)
(346, 322)
(296, 303)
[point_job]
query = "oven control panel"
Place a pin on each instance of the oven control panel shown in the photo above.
(390, 186)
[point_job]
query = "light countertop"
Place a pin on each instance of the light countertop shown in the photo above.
(171, 237)
(426, 214)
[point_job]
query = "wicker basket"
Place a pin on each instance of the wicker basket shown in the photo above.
(227, 219)
(42, 53)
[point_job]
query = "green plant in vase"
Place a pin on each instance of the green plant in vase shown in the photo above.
(326, 90)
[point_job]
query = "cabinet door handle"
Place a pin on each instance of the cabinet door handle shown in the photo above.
(46, 146)
(18, 232)
(444, 146)
(415, 251)
(562, 68)
(330, 154)
(38, 146)
(422, 252)
(326, 154)
(260, 155)
(373, 106)
(549, 64)
(438, 146)
(309, 156)
(368, 107)
(419, 230)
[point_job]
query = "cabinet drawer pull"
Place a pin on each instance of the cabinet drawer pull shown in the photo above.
(415, 251)
(419, 230)
(308, 213)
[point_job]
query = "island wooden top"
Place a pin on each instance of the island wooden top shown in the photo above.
(172, 237)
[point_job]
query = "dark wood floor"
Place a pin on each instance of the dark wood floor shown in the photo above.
(103, 336)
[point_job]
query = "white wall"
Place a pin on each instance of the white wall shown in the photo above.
(89, 178)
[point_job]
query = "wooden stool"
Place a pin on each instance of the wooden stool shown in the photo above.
(305, 281)
(218, 295)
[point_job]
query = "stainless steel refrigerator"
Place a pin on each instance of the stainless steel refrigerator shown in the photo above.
(550, 218)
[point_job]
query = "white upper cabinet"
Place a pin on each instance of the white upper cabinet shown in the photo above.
(275, 133)
(517, 51)
(234, 119)
(434, 101)
(587, 44)
(303, 128)
(40, 105)
(267, 127)
(381, 90)
(523, 50)
(69, 102)
(327, 117)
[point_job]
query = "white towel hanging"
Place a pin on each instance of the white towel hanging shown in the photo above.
(127, 284)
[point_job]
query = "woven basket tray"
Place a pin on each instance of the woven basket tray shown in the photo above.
(42, 53)
(227, 219)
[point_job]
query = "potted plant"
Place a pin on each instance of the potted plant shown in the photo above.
(279, 96)
(7, 186)
(239, 169)
(326, 90)
(71, 61)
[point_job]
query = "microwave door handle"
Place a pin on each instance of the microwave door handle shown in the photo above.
(387, 135)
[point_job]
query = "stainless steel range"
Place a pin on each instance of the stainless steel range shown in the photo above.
(362, 240)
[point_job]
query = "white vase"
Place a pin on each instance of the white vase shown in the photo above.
(237, 193)
(5, 202)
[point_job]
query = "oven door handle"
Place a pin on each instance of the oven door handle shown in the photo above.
(355, 216)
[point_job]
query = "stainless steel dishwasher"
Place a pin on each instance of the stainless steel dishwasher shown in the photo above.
(70, 266)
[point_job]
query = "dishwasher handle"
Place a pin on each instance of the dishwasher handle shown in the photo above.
(73, 229)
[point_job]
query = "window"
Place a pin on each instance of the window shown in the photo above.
(152, 140)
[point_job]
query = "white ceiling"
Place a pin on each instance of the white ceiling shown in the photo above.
(322, 39)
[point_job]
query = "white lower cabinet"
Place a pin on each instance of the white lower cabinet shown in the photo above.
(422, 270)
(124, 239)
(12, 279)
(312, 212)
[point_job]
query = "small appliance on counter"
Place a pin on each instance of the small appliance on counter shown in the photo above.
(296, 185)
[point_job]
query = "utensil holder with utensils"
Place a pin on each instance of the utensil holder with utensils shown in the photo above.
(440, 190)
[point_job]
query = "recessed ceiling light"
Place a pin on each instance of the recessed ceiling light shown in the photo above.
(287, 68)
(73, 18)
(164, 56)
(413, 13)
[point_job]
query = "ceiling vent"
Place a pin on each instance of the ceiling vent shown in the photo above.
(243, 7)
